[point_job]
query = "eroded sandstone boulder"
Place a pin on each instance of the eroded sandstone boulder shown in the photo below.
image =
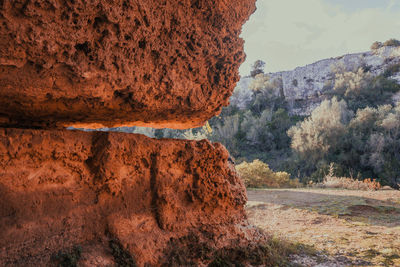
(112, 199)
(111, 63)
(65, 189)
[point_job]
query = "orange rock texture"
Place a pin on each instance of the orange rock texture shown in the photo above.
(75, 198)
(63, 189)
(111, 63)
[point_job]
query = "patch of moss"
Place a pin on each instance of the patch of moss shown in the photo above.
(121, 257)
(68, 258)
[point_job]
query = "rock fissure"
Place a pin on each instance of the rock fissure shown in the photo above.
(153, 188)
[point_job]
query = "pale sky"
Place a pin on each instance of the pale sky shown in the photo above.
(291, 33)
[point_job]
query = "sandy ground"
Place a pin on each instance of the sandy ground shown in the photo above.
(345, 227)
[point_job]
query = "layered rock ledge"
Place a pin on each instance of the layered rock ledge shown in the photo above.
(152, 63)
(63, 189)
(113, 199)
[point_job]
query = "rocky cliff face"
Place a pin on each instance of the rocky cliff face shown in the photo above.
(303, 87)
(96, 63)
(112, 199)
(59, 189)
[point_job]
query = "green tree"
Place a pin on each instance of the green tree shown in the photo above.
(376, 45)
(225, 131)
(392, 42)
(257, 68)
(323, 132)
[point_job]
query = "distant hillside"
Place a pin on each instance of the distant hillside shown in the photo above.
(340, 112)
(305, 87)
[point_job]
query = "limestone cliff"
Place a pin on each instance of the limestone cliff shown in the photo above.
(303, 87)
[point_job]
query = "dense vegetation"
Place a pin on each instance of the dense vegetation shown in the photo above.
(362, 144)
(356, 127)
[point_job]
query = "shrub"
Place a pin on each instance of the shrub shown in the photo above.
(258, 175)
(332, 181)
(225, 130)
(352, 84)
(376, 45)
(391, 70)
(349, 183)
(392, 42)
(321, 133)
(257, 68)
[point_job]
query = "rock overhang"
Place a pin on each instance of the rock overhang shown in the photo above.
(122, 63)
(95, 64)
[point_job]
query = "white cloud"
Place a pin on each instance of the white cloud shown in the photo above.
(392, 4)
(291, 33)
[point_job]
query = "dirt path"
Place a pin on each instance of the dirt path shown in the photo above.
(348, 228)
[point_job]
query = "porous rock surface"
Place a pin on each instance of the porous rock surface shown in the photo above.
(62, 189)
(113, 63)
(114, 199)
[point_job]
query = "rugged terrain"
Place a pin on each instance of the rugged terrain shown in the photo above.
(344, 227)
(304, 87)
(61, 189)
(114, 199)
(140, 63)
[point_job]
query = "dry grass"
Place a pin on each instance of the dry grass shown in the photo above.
(349, 183)
(345, 227)
(332, 181)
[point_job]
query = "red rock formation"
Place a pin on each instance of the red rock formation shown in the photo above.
(109, 198)
(110, 63)
(60, 189)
